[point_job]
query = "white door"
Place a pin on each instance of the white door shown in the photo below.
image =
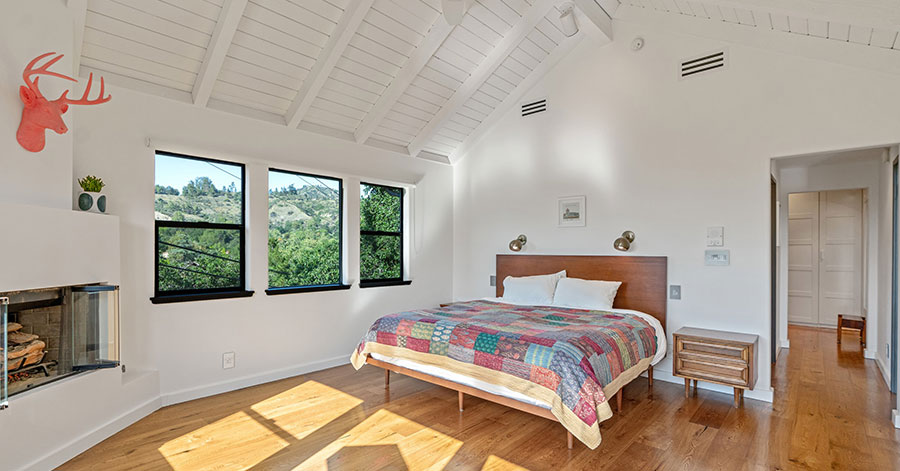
(825, 255)
(840, 255)
(803, 258)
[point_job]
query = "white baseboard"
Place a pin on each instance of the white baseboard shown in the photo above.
(786, 343)
(869, 354)
(767, 395)
(79, 445)
(895, 416)
(198, 392)
(884, 371)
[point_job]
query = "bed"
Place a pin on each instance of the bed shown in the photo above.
(560, 363)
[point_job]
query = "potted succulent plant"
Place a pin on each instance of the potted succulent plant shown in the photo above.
(91, 198)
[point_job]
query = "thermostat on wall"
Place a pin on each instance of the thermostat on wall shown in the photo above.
(718, 258)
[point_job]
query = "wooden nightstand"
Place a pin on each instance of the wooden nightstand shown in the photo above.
(726, 358)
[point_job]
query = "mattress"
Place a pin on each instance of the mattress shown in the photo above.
(500, 390)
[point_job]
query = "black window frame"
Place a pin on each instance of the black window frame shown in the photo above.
(199, 294)
(371, 283)
(310, 288)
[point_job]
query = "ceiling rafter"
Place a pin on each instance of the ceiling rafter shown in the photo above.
(601, 18)
(416, 62)
(510, 41)
(515, 97)
(79, 15)
(348, 24)
(222, 36)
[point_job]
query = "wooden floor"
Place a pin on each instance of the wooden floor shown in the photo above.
(831, 412)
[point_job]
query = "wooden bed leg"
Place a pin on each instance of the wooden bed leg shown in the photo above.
(387, 378)
(460, 401)
(569, 439)
(619, 400)
(650, 376)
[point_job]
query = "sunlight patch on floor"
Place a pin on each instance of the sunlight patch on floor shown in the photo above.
(303, 409)
(224, 442)
(385, 433)
(494, 463)
(271, 425)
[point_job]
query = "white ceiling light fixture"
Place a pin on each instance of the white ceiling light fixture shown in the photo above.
(567, 22)
(454, 10)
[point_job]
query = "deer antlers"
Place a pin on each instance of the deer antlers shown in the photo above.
(63, 99)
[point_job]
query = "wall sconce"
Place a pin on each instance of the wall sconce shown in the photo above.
(624, 243)
(516, 244)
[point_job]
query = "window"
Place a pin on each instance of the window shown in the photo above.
(305, 232)
(380, 235)
(199, 228)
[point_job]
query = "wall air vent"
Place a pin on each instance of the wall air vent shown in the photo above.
(705, 63)
(534, 107)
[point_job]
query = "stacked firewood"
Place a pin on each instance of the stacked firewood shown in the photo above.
(22, 349)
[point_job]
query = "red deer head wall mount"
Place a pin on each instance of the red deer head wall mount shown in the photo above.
(40, 113)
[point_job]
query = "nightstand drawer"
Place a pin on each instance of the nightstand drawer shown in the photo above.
(717, 371)
(724, 351)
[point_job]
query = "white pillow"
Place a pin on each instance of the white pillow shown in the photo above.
(535, 290)
(586, 294)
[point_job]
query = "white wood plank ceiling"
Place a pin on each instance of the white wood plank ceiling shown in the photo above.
(388, 73)
(874, 23)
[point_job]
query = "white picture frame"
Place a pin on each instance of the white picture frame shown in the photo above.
(570, 211)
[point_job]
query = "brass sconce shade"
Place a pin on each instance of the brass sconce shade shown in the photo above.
(624, 243)
(516, 244)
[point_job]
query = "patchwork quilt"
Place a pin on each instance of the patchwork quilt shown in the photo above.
(563, 357)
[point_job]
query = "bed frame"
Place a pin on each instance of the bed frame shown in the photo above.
(643, 289)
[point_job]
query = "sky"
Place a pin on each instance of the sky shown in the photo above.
(177, 172)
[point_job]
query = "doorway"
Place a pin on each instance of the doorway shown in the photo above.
(825, 256)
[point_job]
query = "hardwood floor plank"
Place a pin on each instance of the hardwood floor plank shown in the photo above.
(831, 411)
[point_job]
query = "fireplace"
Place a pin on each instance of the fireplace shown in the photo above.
(54, 333)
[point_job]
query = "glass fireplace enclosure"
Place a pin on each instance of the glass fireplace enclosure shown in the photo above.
(50, 334)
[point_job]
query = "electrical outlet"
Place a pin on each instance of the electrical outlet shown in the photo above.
(674, 291)
(227, 360)
(493, 280)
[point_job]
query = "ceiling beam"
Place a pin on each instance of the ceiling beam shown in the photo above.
(416, 62)
(348, 24)
(484, 70)
(79, 14)
(515, 97)
(223, 34)
(600, 17)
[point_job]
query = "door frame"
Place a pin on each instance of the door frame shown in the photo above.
(773, 247)
(895, 267)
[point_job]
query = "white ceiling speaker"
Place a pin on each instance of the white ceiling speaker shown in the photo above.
(567, 22)
(454, 10)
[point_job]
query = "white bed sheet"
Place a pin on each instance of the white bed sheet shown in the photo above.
(503, 391)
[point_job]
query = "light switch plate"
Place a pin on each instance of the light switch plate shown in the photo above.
(674, 291)
(493, 280)
(715, 236)
(718, 258)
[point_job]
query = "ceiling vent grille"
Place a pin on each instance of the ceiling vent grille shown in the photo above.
(534, 107)
(705, 63)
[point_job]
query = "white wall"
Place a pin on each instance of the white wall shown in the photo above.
(666, 159)
(272, 336)
(885, 264)
(28, 30)
(864, 174)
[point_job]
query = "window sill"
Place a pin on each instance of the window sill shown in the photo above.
(375, 284)
(183, 298)
(305, 289)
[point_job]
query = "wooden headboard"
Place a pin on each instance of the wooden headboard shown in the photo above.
(644, 279)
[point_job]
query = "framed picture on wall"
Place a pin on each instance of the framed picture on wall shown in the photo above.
(570, 211)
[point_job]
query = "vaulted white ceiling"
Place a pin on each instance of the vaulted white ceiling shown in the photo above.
(391, 73)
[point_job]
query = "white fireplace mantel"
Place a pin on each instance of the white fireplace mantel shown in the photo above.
(44, 247)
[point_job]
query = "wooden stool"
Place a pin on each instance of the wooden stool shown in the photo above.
(852, 322)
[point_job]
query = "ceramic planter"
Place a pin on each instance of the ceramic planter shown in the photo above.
(92, 201)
